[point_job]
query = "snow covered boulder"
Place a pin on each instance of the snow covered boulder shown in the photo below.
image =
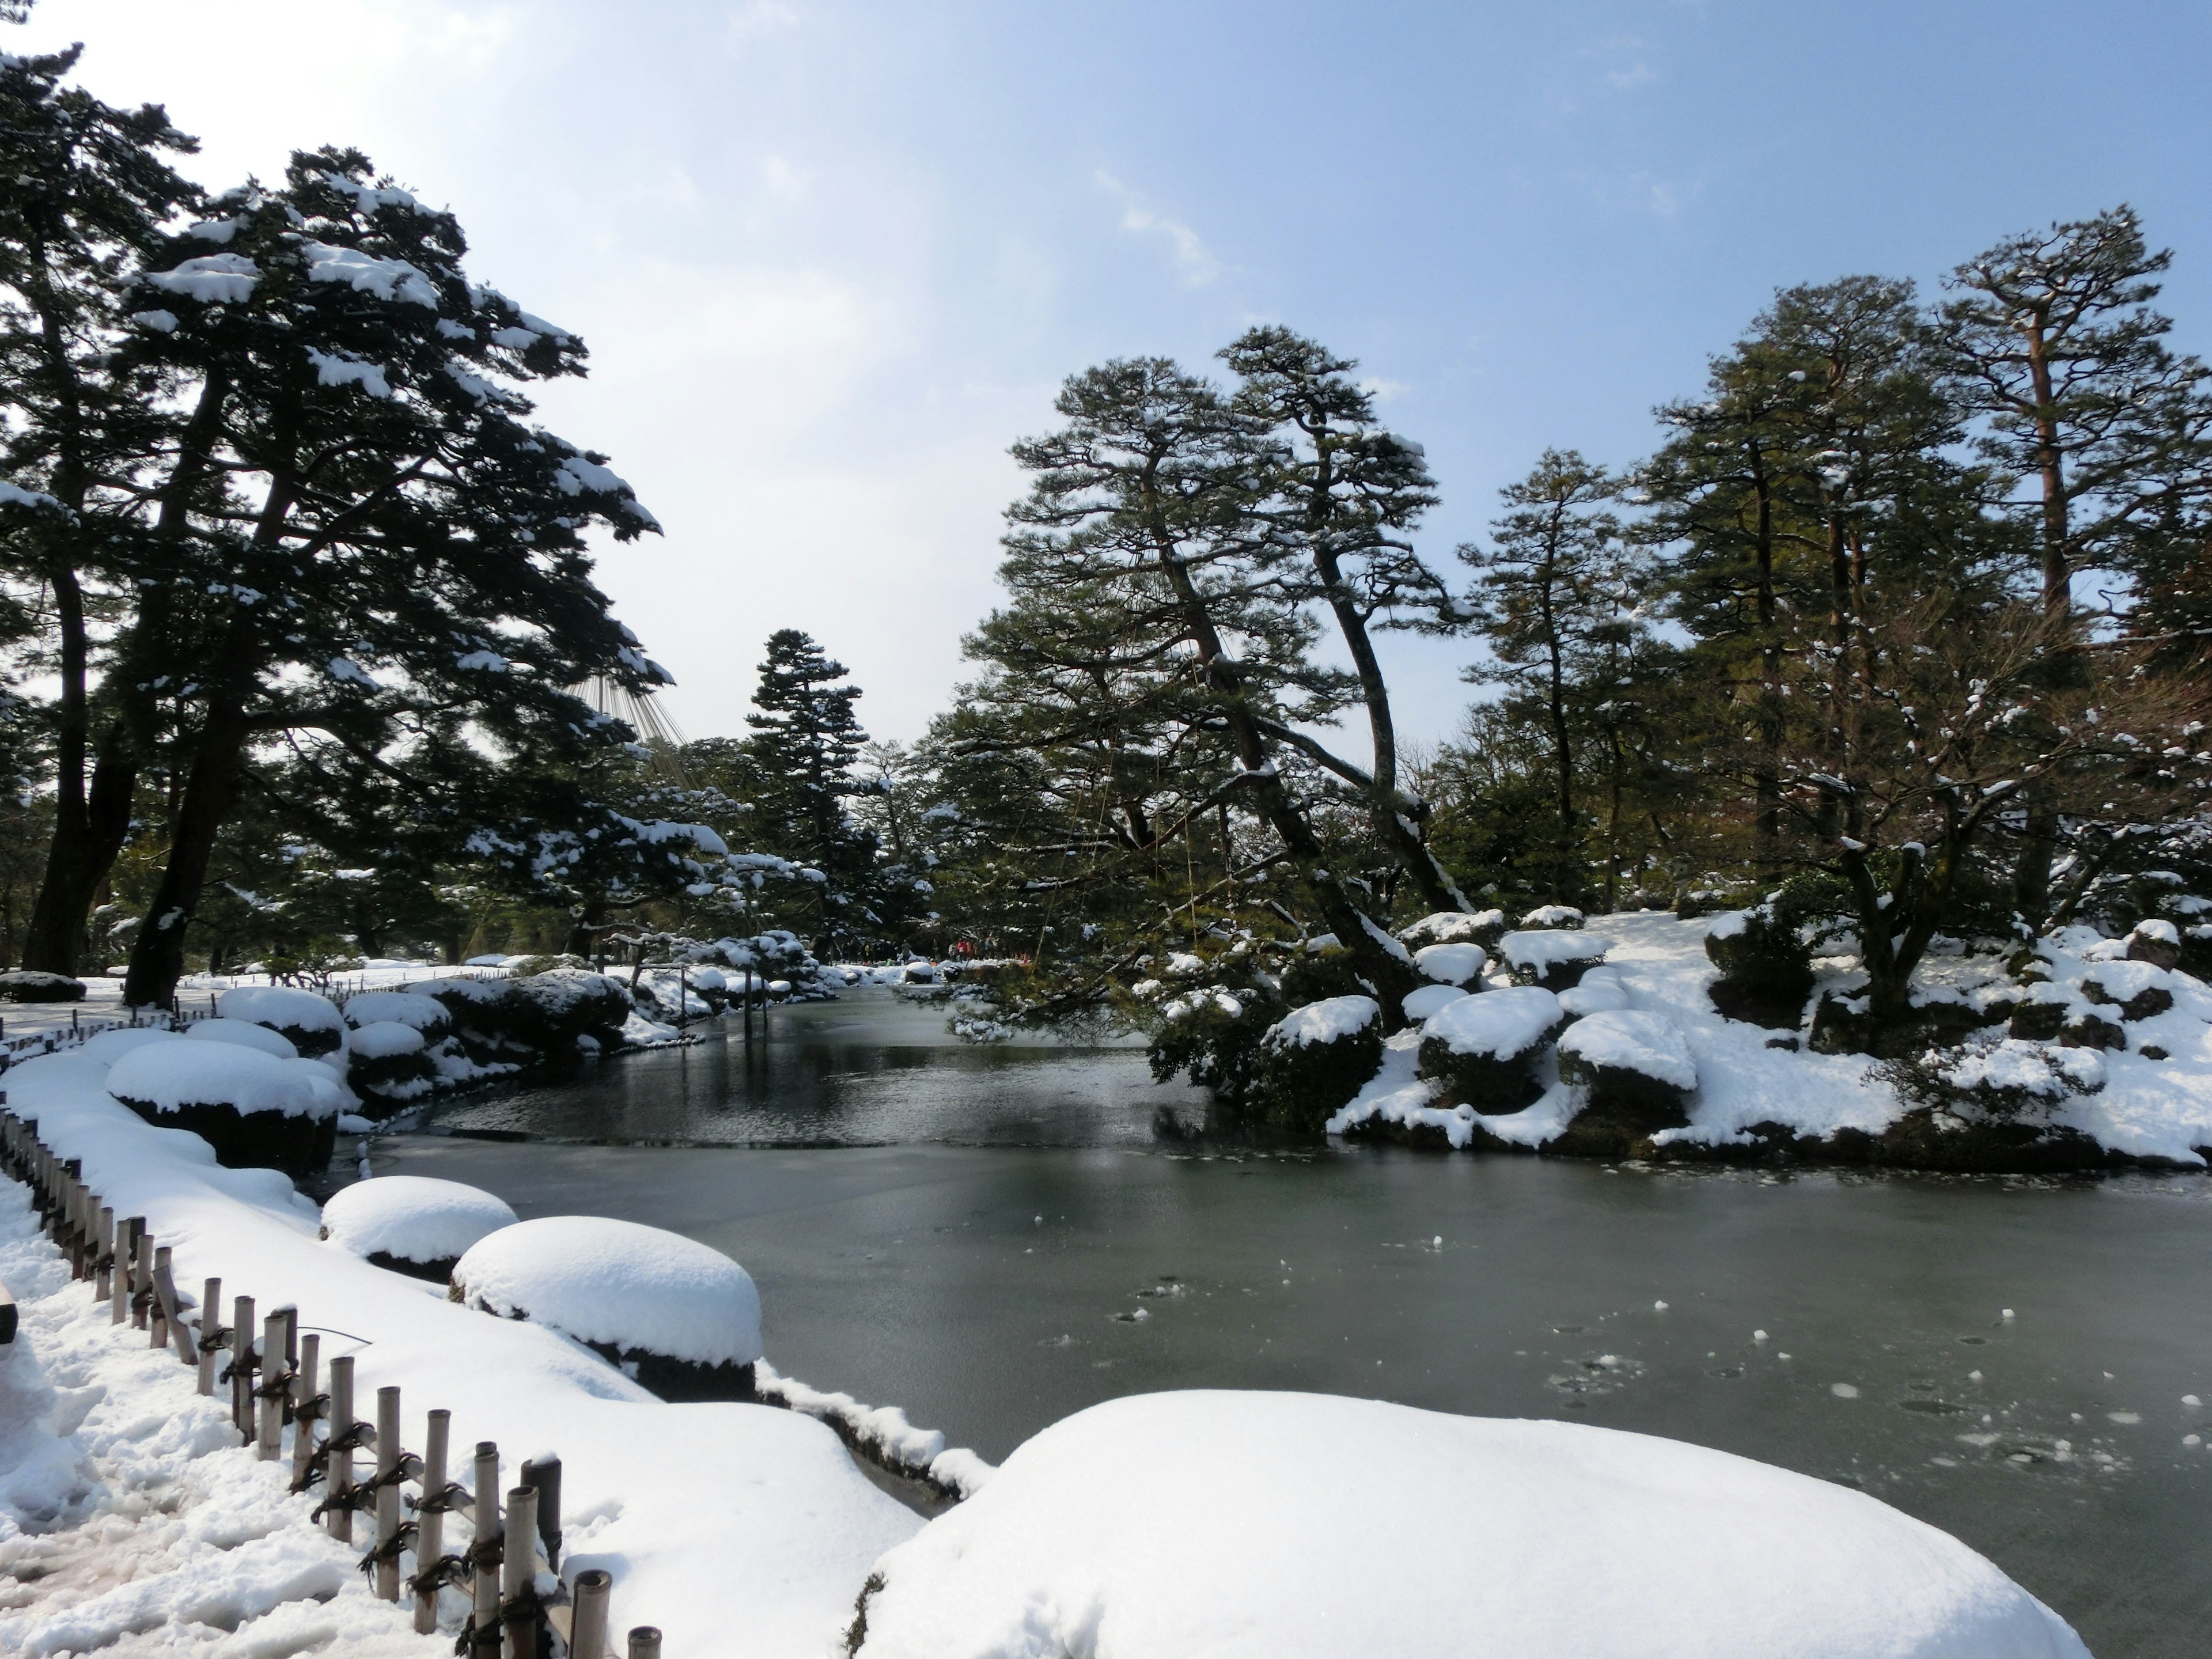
(680, 1318)
(1460, 965)
(2040, 1013)
(30, 985)
(412, 1009)
(242, 1034)
(1636, 1071)
(1314, 1058)
(413, 1224)
(1330, 1528)
(310, 1024)
(2155, 942)
(256, 1110)
(390, 1064)
(1483, 927)
(1484, 1049)
(2139, 989)
(1564, 916)
(1552, 957)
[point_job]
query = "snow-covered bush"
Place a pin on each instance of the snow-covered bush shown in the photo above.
(1428, 999)
(681, 1319)
(1461, 964)
(1211, 1034)
(1484, 1049)
(255, 1110)
(413, 1224)
(29, 985)
(242, 1034)
(567, 1012)
(2006, 1083)
(1483, 927)
(1553, 958)
(310, 1024)
(1335, 1527)
(1766, 968)
(414, 1009)
(390, 1066)
(1314, 1058)
(1597, 991)
(108, 1047)
(1635, 1068)
(1554, 916)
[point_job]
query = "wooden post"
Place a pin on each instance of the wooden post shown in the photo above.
(430, 1523)
(587, 1616)
(210, 1332)
(337, 1492)
(276, 1390)
(387, 1494)
(103, 1280)
(305, 1409)
(543, 1475)
(645, 1642)
(126, 1252)
(169, 1322)
(242, 1366)
(518, 1573)
(142, 1280)
(487, 1550)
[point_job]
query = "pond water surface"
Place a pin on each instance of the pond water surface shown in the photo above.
(992, 1239)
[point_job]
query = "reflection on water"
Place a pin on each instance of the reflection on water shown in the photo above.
(1060, 1254)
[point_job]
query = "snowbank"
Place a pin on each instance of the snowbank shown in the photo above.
(1178, 1524)
(242, 1034)
(620, 1284)
(412, 1218)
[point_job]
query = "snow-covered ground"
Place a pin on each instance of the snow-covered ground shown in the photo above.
(2146, 1107)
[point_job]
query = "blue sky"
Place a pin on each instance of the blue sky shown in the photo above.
(832, 258)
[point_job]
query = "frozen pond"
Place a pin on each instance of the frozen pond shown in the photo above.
(992, 1239)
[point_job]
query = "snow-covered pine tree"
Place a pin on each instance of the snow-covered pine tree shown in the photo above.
(805, 740)
(392, 567)
(86, 437)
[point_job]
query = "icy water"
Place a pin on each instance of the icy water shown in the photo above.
(994, 1239)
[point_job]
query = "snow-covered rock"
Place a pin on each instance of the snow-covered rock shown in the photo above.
(1460, 965)
(1333, 1527)
(413, 1223)
(1483, 1049)
(311, 1023)
(682, 1319)
(242, 1034)
(1553, 958)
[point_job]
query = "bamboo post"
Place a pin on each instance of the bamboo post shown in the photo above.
(430, 1518)
(210, 1332)
(338, 1496)
(142, 1280)
(72, 1235)
(387, 1494)
(103, 1281)
(305, 1408)
(518, 1576)
(587, 1616)
(645, 1642)
(276, 1390)
(126, 1252)
(543, 1475)
(242, 1366)
(170, 1321)
(486, 1552)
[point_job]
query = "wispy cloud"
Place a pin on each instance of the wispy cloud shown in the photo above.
(1636, 75)
(759, 20)
(1195, 263)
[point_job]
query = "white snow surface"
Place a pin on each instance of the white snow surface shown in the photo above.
(170, 1076)
(1452, 964)
(790, 1541)
(383, 1039)
(1330, 1020)
(279, 1006)
(1502, 1023)
(1428, 999)
(414, 1218)
(1633, 1040)
(108, 1047)
(1552, 915)
(242, 1034)
(424, 1013)
(1596, 991)
(1332, 1527)
(1541, 947)
(604, 1280)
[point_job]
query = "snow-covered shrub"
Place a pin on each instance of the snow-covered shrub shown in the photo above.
(555, 1011)
(1430, 1000)
(1212, 1034)
(680, 1318)
(389, 1065)
(2040, 1013)
(310, 1024)
(1315, 976)
(29, 985)
(1766, 967)
(2007, 1079)
(415, 1009)
(1597, 991)
(1335, 1527)
(413, 1224)
(1461, 964)
(1483, 927)
(1316, 1058)
(1484, 1049)
(1553, 958)
(108, 1047)
(1564, 916)
(256, 1110)
(487, 1016)
(1635, 1067)
(242, 1034)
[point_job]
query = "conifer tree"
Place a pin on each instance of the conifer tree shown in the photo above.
(805, 738)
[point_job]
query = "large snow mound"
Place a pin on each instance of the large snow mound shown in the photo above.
(243, 1033)
(1330, 1020)
(414, 1217)
(1504, 1023)
(400, 1007)
(170, 1076)
(1332, 1527)
(616, 1282)
(382, 1039)
(1633, 1040)
(1451, 965)
(108, 1047)
(280, 1005)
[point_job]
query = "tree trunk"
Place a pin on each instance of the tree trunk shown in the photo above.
(76, 864)
(157, 957)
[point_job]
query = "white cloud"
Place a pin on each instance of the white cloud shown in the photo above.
(1636, 75)
(784, 180)
(759, 20)
(1195, 263)
(1383, 389)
